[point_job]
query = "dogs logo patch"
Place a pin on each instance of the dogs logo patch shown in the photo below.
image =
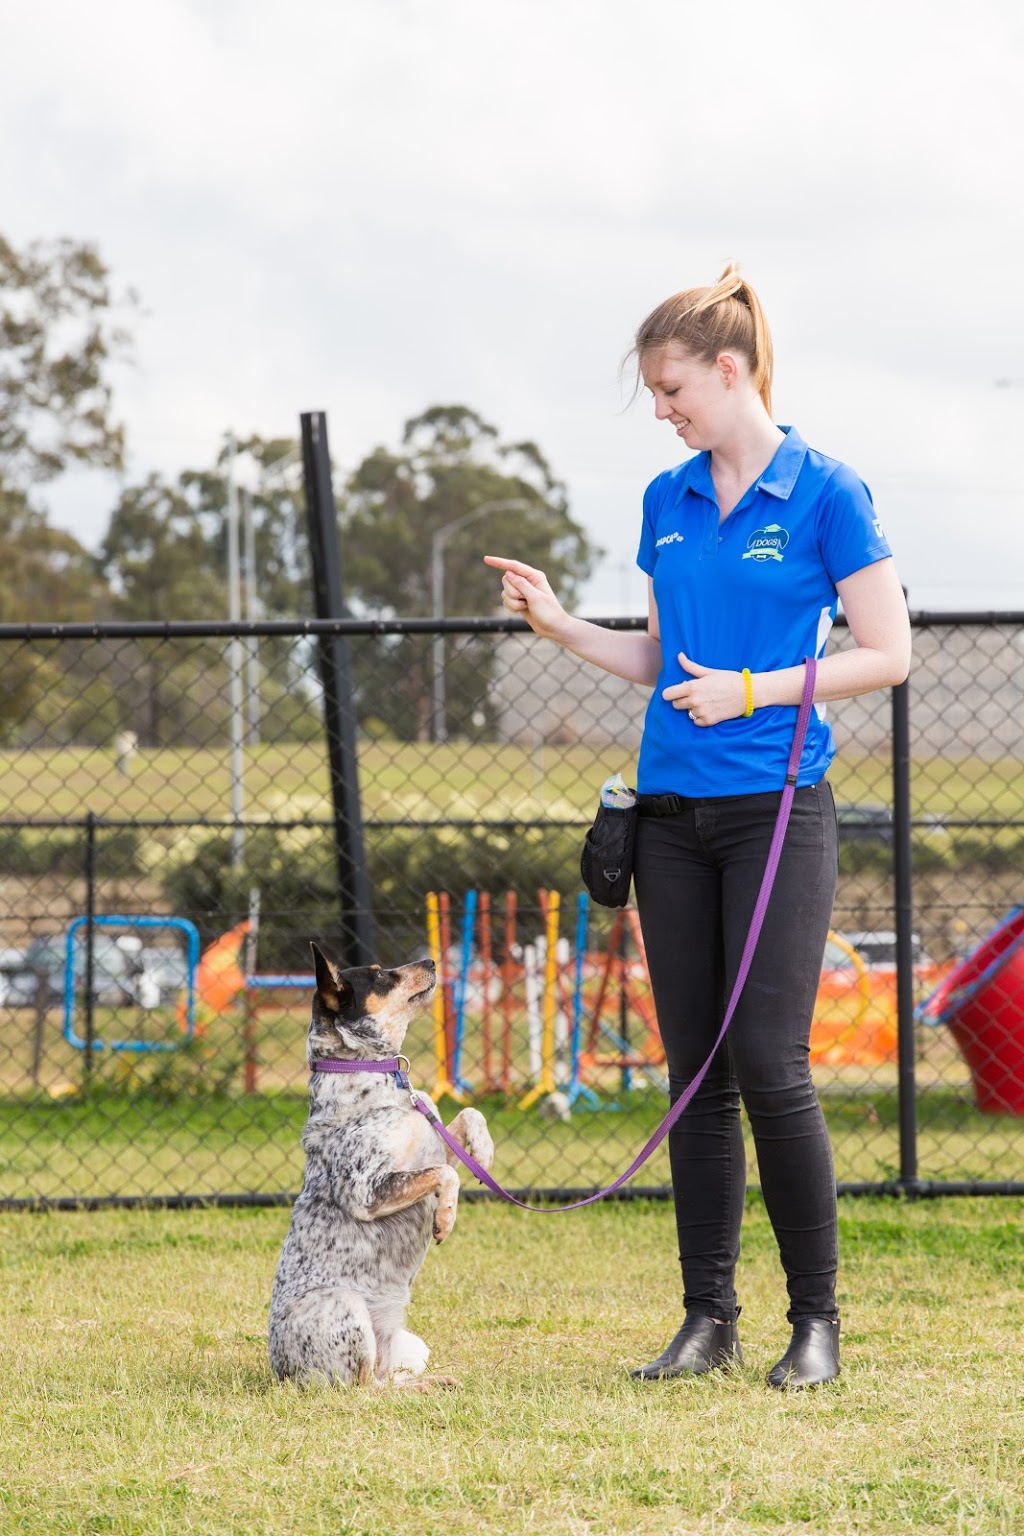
(767, 543)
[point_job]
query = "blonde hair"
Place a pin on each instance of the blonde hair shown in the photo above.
(707, 321)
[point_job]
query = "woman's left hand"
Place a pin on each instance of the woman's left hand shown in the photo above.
(709, 695)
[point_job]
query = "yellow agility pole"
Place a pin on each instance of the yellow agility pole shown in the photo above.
(547, 1082)
(442, 1085)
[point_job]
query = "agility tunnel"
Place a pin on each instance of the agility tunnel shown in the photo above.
(981, 1002)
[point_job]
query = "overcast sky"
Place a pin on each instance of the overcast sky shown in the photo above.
(371, 206)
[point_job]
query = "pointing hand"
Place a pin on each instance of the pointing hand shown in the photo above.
(527, 591)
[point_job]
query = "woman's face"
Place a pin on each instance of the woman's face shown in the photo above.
(692, 396)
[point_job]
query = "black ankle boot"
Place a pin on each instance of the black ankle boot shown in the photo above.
(701, 1345)
(812, 1357)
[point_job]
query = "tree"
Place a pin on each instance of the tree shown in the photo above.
(452, 463)
(157, 558)
(272, 492)
(59, 334)
(165, 556)
(45, 574)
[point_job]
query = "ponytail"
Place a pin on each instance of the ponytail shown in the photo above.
(707, 321)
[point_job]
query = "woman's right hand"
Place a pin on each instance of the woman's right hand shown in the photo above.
(527, 592)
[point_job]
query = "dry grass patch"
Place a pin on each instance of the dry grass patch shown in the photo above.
(137, 1398)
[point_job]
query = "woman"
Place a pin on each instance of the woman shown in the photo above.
(747, 547)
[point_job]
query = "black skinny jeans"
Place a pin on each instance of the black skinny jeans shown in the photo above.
(697, 875)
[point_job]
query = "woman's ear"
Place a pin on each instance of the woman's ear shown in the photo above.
(728, 369)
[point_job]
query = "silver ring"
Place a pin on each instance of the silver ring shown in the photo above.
(692, 716)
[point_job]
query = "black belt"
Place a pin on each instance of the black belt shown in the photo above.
(660, 805)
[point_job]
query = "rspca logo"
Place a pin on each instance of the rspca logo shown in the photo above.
(669, 538)
(767, 543)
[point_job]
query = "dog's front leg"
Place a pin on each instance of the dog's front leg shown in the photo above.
(400, 1190)
(470, 1130)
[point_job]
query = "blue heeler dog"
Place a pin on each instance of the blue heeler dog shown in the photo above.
(377, 1186)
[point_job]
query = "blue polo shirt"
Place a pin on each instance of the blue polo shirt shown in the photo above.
(757, 590)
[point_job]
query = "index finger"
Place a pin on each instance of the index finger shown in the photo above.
(516, 567)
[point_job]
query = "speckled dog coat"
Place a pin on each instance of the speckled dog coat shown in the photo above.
(377, 1186)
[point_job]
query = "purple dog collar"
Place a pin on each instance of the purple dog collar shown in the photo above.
(391, 1065)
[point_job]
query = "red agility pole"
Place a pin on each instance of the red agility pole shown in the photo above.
(485, 1005)
(506, 1001)
(444, 978)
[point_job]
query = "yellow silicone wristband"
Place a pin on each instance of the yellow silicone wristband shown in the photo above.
(749, 688)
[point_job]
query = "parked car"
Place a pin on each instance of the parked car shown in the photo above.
(864, 823)
(122, 978)
(42, 962)
(169, 970)
(12, 963)
(877, 948)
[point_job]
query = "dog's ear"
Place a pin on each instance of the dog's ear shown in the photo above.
(334, 990)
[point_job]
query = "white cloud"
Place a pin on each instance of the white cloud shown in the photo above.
(371, 206)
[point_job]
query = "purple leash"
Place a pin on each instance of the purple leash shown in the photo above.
(753, 934)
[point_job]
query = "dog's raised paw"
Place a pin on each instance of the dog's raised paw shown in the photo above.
(480, 1146)
(444, 1221)
(470, 1128)
(447, 1203)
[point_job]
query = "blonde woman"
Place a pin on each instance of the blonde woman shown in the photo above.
(748, 546)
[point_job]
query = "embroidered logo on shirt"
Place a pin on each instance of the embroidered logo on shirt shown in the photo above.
(767, 543)
(878, 527)
(668, 538)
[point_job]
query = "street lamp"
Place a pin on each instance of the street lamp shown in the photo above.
(438, 544)
(234, 659)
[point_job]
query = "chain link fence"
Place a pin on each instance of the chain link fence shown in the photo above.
(174, 833)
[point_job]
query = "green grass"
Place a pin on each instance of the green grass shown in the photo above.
(116, 1142)
(137, 1398)
(178, 1123)
(423, 781)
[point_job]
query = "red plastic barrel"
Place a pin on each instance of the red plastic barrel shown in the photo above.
(982, 1002)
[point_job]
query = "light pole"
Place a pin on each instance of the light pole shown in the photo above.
(237, 728)
(252, 611)
(438, 544)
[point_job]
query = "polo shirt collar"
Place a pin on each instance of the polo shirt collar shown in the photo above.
(778, 479)
(781, 475)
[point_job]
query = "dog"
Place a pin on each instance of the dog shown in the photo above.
(378, 1184)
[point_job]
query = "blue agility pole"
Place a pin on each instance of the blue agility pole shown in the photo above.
(577, 1089)
(461, 989)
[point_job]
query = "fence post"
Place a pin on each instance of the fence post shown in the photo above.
(90, 930)
(904, 919)
(39, 1024)
(339, 706)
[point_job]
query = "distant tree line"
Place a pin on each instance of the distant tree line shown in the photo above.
(163, 555)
